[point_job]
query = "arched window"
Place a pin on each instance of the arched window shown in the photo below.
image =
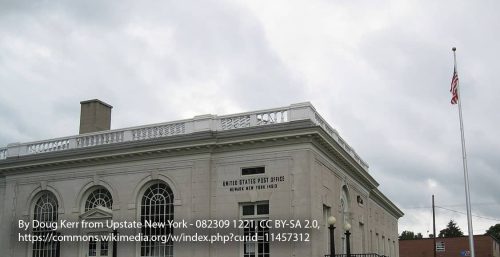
(157, 206)
(45, 212)
(99, 197)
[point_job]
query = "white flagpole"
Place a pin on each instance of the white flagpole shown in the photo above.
(464, 159)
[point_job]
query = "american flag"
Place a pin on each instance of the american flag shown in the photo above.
(454, 87)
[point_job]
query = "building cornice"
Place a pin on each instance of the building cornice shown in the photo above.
(292, 133)
(332, 149)
(196, 143)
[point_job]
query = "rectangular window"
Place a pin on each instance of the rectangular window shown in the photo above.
(254, 213)
(326, 232)
(263, 209)
(248, 210)
(440, 247)
(383, 246)
(378, 243)
(104, 248)
(363, 237)
(253, 171)
(92, 247)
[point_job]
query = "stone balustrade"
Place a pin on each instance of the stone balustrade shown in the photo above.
(163, 130)
(100, 138)
(48, 146)
(252, 119)
(294, 112)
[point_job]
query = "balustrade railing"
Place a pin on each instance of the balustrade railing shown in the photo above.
(235, 122)
(164, 130)
(272, 117)
(335, 135)
(294, 112)
(100, 139)
(48, 146)
(245, 120)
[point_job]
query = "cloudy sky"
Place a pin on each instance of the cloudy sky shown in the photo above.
(378, 71)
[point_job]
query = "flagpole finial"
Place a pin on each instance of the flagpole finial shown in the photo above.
(454, 49)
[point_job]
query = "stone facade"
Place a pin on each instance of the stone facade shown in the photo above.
(288, 159)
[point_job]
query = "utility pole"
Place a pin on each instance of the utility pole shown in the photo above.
(434, 224)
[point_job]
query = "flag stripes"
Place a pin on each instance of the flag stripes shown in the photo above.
(454, 87)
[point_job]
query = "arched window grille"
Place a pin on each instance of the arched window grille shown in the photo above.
(99, 197)
(157, 206)
(45, 212)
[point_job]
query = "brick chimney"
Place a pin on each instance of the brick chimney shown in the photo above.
(95, 116)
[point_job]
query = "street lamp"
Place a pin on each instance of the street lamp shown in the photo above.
(347, 228)
(115, 243)
(331, 222)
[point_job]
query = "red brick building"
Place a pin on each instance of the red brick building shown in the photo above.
(485, 246)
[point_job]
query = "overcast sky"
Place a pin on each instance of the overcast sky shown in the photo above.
(378, 71)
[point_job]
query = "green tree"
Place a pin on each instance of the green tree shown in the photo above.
(407, 235)
(451, 230)
(494, 231)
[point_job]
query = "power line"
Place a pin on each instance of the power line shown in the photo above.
(477, 216)
(452, 205)
(422, 207)
(474, 204)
